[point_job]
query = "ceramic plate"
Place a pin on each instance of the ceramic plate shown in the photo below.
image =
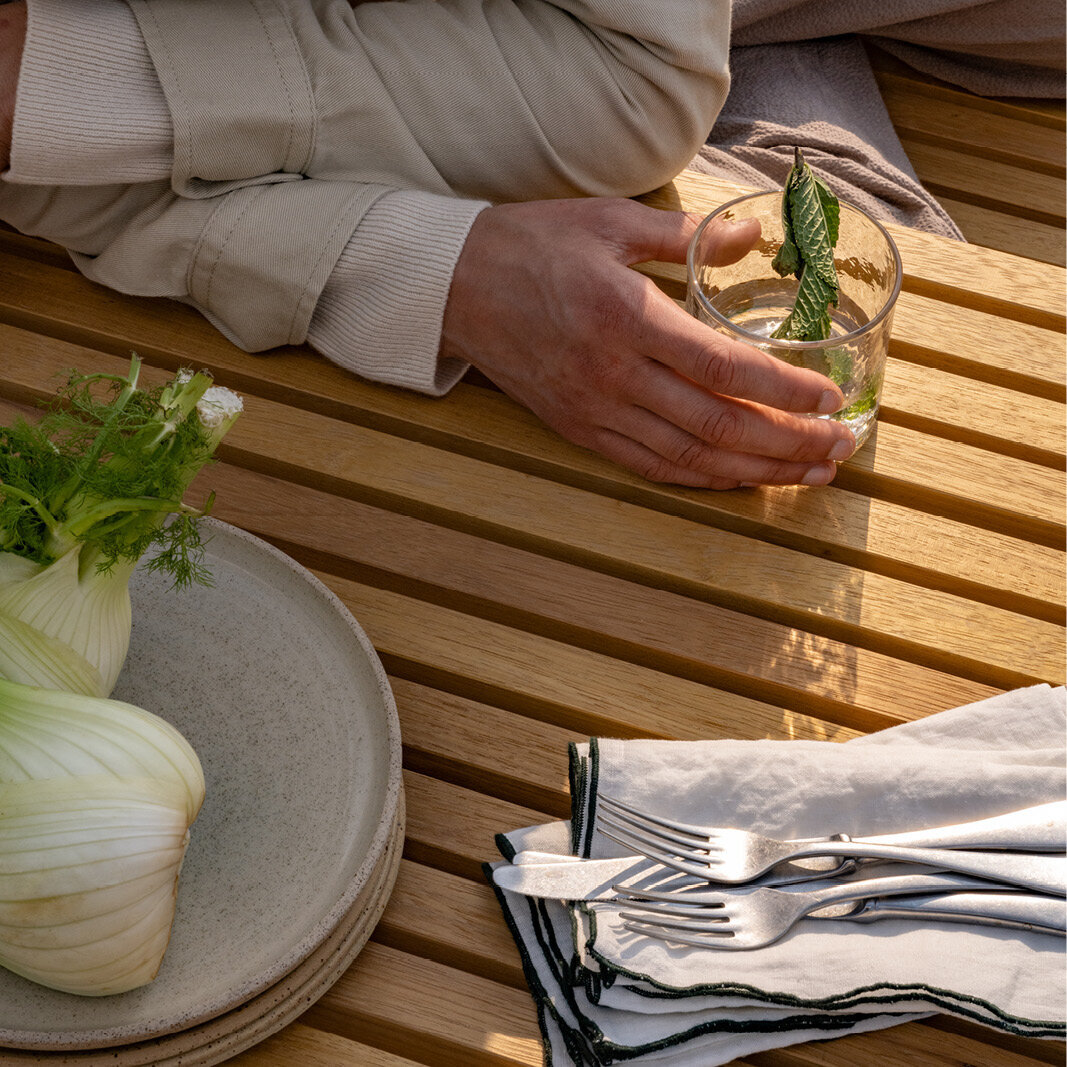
(217, 1040)
(284, 699)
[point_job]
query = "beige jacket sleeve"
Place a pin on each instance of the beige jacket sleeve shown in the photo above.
(300, 125)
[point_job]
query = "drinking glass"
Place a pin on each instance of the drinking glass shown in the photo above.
(747, 300)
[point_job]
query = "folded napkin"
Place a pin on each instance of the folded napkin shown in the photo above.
(605, 995)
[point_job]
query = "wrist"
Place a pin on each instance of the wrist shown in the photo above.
(12, 38)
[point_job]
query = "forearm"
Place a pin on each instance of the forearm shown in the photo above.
(12, 38)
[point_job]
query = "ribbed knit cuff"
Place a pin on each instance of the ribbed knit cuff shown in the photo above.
(89, 108)
(380, 313)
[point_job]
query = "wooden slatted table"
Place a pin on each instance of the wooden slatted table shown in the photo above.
(996, 166)
(523, 593)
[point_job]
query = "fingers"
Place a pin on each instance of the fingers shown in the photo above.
(698, 466)
(646, 233)
(724, 365)
(604, 357)
(740, 425)
(726, 241)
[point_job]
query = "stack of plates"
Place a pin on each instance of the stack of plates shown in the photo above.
(296, 850)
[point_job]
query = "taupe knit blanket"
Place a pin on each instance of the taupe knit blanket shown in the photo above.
(800, 76)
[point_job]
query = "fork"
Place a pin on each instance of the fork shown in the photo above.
(736, 856)
(747, 918)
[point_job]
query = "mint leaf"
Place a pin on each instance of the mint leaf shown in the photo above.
(810, 219)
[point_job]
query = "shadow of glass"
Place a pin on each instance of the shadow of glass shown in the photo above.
(832, 524)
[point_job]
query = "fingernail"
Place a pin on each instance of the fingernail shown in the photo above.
(842, 449)
(823, 474)
(829, 402)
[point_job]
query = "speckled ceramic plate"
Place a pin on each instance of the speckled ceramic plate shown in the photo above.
(219, 1039)
(283, 697)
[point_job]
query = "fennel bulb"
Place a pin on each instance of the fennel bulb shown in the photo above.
(96, 800)
(84, 494)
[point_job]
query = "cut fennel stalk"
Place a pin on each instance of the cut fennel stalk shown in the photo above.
(96, 801)
(85, 493)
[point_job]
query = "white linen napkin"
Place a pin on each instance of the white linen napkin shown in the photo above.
(605, 995)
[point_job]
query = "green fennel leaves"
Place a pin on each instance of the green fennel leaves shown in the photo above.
(96, 796)
(107, 464)
(85, 492)
(810, 219)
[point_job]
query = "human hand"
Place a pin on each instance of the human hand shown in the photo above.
(543, 302)
(12, 38)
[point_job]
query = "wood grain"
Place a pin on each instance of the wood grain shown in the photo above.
(524, 594)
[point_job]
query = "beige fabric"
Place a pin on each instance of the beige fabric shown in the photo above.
(298, 169)
(821, 97)
(992, 47)
(293, 120)
(801, 76)
(68, 108)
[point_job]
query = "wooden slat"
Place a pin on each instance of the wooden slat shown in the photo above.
(419, 1008)
(981, 278)
(561, 684)
(994, 229)
(780, 665)
(497, 752)
(435, 1014)
(942, 404)
(745, 576)
(842, 526)
(1019, 191)
(967, 123)
(978, 344)
(891, 72)
(558, 684)
(452, 920)
(304, 1045)
(730, 570)
(937, 478)
(938, 629)
(453, 828)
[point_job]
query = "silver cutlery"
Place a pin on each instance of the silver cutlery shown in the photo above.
(737, 856)
(1024, 911)
(1040, 828)
(747, 918)
(545, 874)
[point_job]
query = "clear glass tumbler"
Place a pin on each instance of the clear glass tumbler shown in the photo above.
(747, 300)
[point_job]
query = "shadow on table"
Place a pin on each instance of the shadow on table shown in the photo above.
(824, 656)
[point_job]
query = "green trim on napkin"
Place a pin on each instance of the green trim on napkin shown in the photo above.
(583, 774)
(894, 993)
(586, 1043)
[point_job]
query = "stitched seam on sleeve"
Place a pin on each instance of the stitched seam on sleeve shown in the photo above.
(282, 79)
(174, 81)
(285, 85)
(307, 296)
(221, 249)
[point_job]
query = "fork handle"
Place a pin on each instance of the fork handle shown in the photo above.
(894, 885)
(1040, 872)
(1042, 828)
(1030, 870)
(1019, 910)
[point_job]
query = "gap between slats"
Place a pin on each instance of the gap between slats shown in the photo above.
(601, 613)
(481, 424)
(680, 569)
(970, 276)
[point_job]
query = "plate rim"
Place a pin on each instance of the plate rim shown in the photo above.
(219, 1039)
(129, 1033)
